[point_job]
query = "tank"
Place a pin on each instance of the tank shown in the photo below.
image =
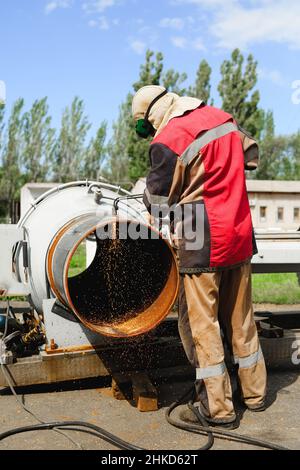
(130, 281)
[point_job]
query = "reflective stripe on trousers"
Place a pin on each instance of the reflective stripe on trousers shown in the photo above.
(211, 371)
(249, 361)
(224, 296)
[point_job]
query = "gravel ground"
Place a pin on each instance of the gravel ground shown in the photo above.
(276, 308)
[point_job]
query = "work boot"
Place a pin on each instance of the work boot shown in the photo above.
(188, 416)
(257, 408)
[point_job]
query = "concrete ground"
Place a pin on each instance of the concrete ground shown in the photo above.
(92, 401)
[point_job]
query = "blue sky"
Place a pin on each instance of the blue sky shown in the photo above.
(93, 48)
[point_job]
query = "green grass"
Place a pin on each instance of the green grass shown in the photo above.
(276, 288)
(19, 298)
(78, 262)
(267, 288)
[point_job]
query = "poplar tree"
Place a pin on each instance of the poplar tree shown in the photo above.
(236, 89)
(128, 154)
(12, 178)
(94, 158)
(118, 161)
(39, 142)
(271, 151)
(71, 144)
(202, 87)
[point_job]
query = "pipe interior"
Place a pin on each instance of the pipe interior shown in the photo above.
(125, 277)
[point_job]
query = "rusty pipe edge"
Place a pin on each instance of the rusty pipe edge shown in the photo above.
(58, 264)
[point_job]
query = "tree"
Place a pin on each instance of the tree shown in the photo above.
(235, 89)
(39, 141)
(150, 71)
(70, 149)
(2, 205)
(128, 154)
(118, 146)
(12, 179)
(2, 108)
(202, 87)
(138, 149)
(94, 157)
(295, 146)
(290, 163)
(173, 80)
(272, 149)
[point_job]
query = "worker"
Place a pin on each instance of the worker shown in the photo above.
(198, 156)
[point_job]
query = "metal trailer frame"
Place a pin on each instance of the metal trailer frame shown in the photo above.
(160, 353)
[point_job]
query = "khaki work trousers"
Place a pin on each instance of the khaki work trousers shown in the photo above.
(206, 302)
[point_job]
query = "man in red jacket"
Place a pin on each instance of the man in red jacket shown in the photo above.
(198, 157)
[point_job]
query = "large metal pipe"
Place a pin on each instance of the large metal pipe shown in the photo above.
(131, 283)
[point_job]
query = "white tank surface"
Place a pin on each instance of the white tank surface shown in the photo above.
(52, 211)
(67, 215)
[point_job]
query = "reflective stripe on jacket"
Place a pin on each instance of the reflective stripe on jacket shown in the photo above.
(198, 160)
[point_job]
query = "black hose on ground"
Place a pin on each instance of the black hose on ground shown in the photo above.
(212, 432)
(202, 428)
(75, 425)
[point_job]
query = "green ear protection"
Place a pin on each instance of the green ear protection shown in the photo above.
(143, 127)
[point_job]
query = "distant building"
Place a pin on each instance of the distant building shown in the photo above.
(275, 205)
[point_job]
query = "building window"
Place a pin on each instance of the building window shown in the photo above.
(280, 214)
(296, 214)
(263, 213)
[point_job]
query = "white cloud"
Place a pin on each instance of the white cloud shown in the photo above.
(144, 30)
(274, 20)
(274, 76)
(237, 23)
(137, 46)
(182, 42)
(206, 3)
(198, 44)
(92, 23)
(94, 7)
(179, 41)
(173, 23)
(296, 93)
(2, 92)
(101, 23)
(98, 6)
(54, 5)
(190, 19)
